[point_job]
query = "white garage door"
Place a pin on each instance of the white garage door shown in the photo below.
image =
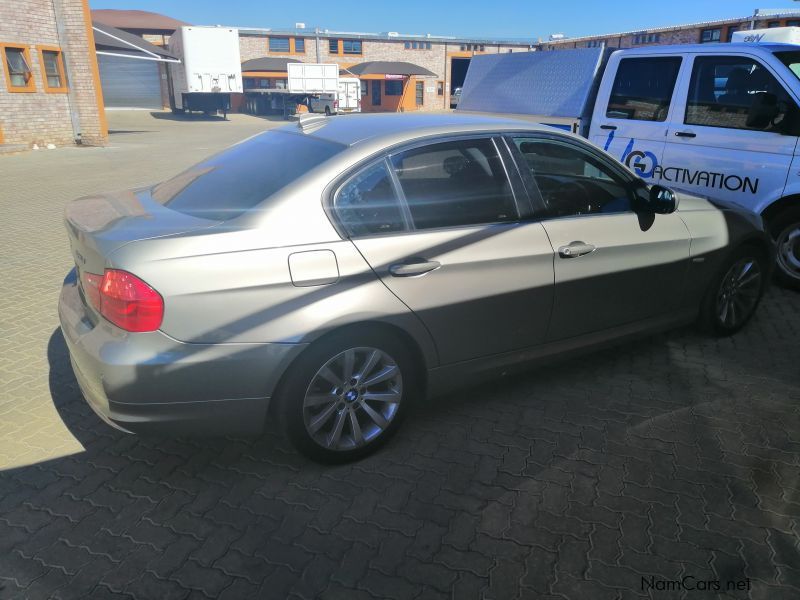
(129, 82)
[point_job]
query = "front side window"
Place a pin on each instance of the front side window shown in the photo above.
(455, 184)
(394, 88)
(730, 91)
(18, 69)
(367, 204)
(54, 76)
(643, 88)
(572, 181)
(277, 44)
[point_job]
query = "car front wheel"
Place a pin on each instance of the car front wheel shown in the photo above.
(734, 294)
(346, 395)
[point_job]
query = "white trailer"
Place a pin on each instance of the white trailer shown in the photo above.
(210, 69)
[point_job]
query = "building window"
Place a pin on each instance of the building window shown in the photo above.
(364, 88)
(647, 38)
(708, 36)
(333, 46)
(53, 73)
(394, 88)
(440, 88)
(351, 46)
(595, 43)
(376, 92)
(17, 66)
(408, 45)
(420, 93)
(793, 23)
(277, 44)
(731, 30)
(300, 45)
(773, 24)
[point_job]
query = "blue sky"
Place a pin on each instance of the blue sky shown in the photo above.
(498, 18)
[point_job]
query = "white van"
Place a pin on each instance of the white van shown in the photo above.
(348, 99)
(720, 120)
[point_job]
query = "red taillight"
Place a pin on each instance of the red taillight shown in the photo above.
(125, 300)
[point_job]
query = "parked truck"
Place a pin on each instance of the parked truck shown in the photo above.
(720, 120)
(210, 69)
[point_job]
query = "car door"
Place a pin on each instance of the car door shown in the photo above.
(631, 113)
(439, 224)
(612, 265)
(713, 147)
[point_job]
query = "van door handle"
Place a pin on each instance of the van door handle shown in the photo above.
(410, 269)
(612, 127)
(687, 134)
(575, 249)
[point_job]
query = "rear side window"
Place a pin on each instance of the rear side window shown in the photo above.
(455, 183)
(367, 203)
(643, 88)
(236, 180)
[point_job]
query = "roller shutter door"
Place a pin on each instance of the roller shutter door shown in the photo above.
(129, 82)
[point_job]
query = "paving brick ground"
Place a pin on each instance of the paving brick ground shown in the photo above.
(673, 457)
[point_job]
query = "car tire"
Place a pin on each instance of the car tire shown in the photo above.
(735, 292)
(785, 230)
(327, 111)
(331, 419)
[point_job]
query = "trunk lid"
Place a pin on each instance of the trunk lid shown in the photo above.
(100, 224)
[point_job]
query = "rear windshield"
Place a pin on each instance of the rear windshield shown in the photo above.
(230, 183)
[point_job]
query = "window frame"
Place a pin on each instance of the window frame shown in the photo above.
(352, 41)
(280, 37)
(540, 209)
(711, 30)
(419, 93)
(519, 192)
(30, 85)
(670, 100)
(331, 43)
(293, 44)
(62, 72)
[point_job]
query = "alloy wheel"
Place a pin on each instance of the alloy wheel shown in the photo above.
(739, 292)
(353, 398)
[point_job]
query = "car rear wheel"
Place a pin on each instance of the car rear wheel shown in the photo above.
(346, 395)
(327, 111)
(734, 295)
(786, 231)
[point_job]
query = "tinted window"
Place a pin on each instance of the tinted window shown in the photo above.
(394, 88)
(455, 183)
(573, 181)
(228, 184)
(367, 204)
(299, 45)
(643, 88)
(724, 88)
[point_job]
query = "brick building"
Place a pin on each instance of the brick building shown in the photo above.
(49, 82)
(695, 33)
(447, 58)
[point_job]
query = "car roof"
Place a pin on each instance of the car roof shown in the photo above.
(709, 48)
(390, 127)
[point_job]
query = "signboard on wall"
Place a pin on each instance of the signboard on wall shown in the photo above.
(389, 76)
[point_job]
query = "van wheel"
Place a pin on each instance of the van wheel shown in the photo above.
(735, 292)
(346, 395)
(785, 229)
(327, 111)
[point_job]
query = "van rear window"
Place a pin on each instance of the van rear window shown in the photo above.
(643, 88)
(236, 180)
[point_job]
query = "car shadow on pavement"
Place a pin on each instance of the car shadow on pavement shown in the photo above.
(664, 458)
(170, 116)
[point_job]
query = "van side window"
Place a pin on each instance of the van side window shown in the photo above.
(367, 203)
(736, 92)
(572, 181)
(643, 88)
(455, 183)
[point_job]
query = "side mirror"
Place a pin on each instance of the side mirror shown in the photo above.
(657, 199)
(763, 111)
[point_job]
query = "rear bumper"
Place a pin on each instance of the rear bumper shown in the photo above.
(151, 383)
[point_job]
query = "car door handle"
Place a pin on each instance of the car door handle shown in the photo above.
(575, 249)
(611, 127)
(687, 134)
(410, 269)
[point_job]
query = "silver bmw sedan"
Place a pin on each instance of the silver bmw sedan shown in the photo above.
(333, 272)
